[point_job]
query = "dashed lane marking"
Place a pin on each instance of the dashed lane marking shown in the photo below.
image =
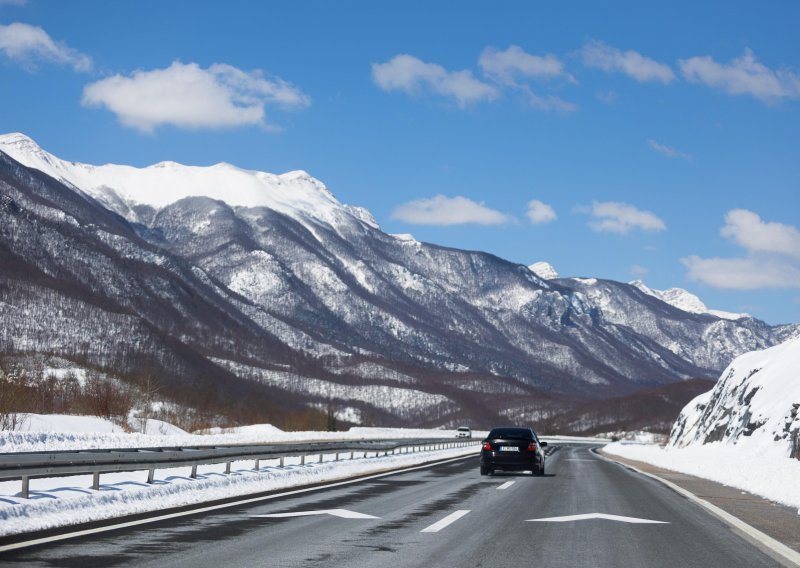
(506, 485)
(448, 520)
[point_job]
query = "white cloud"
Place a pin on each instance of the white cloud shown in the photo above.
(548, 102)
(668, 151)
(30, 45)
(746, 229)
(749, 273)
(772, 255)
(13, 2)
(539, 212)
(512, 67)
(411, 75)
(607, 97)
(188, 96)
(505, 69)
(599, 55)
(743, 76)
(621, 218)
(443, 210)
(507, 66)
(638, 270)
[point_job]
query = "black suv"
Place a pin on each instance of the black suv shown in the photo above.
(512, 449)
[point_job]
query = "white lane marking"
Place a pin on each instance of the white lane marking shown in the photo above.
(245, 501)
(506, 485)
(341, 513)
(596, 516)
(448, 520)
(766, 541)
(578, 460)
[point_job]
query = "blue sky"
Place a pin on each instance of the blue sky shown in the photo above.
(661, 142)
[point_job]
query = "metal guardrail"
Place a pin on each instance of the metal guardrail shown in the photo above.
(30, 465)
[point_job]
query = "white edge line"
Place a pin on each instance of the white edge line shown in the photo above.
(85, 532)
(448, 520)
(506, 485)
(766, 540)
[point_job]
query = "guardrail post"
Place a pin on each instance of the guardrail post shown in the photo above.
(96, 481)
(352, 454)
(151, 473)
(302, 460)
(337, 456)
(281, 462)
(256, 466)
(320, 458)
(227, 468)
(194, 471)
(25, 487)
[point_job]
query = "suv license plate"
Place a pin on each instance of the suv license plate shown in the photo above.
(509, 449)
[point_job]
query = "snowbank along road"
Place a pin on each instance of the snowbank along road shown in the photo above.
(585, 512)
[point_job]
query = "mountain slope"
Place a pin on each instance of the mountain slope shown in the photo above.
(271, 281)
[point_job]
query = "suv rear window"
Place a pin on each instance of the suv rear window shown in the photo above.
(516, 433)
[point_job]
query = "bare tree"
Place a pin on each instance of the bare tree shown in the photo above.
(149, 387)
(13, 392)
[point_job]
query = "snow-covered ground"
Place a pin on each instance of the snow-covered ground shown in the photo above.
(743, 432)
(62, 432)
(760, 473)
(62, 501)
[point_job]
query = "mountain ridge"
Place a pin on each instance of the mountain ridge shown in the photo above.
(323, 309)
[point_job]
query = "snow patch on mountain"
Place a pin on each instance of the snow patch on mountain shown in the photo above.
(405, 237)
(685, 300)
(755, 405)
(397, 399)
(544, 270)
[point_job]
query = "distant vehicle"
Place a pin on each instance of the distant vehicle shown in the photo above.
(463, 432)
(512, 449)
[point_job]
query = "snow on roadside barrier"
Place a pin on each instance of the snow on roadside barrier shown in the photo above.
(60, 432)
(128, 495)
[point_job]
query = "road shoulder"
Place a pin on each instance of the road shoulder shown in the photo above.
(777, 522)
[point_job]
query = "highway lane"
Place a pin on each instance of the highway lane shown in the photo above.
(447, 515)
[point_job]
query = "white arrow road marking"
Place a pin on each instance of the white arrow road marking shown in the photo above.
(596, 516)
(506, 485)
(341, 513)
(448, 520)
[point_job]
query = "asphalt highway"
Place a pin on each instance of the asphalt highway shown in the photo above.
(442, 516)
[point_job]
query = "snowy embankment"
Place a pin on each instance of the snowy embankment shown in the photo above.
(59, 502)
(61, 432)
(774, 478)
(62, 501)
(745, 432)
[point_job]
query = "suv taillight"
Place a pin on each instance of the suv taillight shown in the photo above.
(532, 447)
(487, 446)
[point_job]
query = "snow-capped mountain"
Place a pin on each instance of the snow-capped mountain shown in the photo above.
(122, 188)
(686, 301)
(755, 405)
(226, 276)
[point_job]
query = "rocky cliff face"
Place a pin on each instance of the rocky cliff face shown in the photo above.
(755, 404)
(219, 276)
